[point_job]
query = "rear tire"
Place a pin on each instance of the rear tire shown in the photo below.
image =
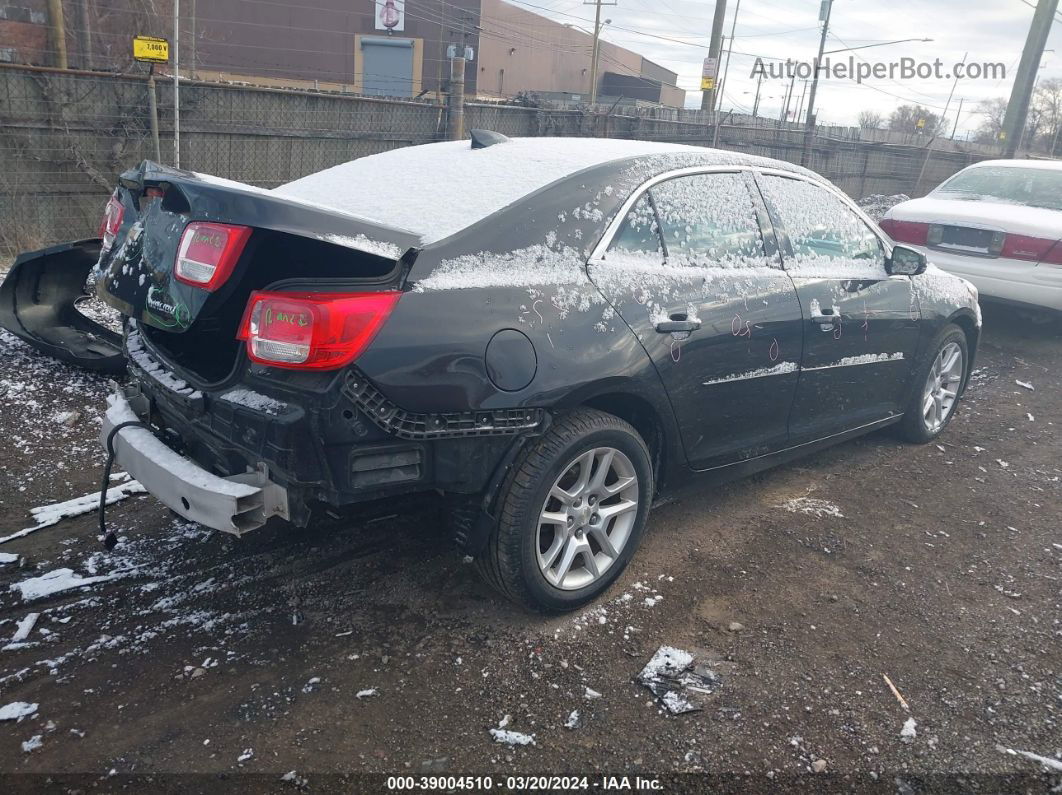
(930, 409)
(578, 496)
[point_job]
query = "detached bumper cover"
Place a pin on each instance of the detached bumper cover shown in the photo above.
(236, 504)
(37, 304)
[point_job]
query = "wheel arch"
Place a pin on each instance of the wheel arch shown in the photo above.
(646, 418)
(967, 323)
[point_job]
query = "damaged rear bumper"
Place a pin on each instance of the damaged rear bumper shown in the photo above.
(38, 304)
(236, 504)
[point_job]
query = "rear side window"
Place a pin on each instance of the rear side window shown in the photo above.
(709, 220)
(823, 236)
(639, 233)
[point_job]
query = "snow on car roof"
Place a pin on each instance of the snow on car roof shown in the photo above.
(436, 190)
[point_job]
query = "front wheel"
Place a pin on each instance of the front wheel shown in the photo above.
(571, 514)
(938, 386)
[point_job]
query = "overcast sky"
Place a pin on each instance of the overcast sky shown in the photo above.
(990, 30)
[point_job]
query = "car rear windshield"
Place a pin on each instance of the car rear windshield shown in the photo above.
(1032, 187)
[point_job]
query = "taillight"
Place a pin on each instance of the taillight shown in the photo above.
(313, 331)
(1024, 247)
(1054, 256)
(208, 253)
(111, 222)
(905, 231)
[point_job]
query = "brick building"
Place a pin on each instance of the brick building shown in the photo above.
(375, 47)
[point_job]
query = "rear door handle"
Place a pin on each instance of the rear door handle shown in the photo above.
(677, 326)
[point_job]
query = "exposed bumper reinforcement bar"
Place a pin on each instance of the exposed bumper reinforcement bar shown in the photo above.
(236, 504)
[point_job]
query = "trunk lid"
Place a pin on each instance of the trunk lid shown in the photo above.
(136, 274)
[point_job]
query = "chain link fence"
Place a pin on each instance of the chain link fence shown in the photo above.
(66, 135)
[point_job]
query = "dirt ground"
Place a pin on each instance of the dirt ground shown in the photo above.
(371, 646)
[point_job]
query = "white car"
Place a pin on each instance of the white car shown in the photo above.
(998, 224)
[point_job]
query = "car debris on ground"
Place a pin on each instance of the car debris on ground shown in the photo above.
(679, 679)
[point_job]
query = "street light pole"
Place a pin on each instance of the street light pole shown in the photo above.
(809, 125)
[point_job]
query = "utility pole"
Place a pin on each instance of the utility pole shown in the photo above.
(756, 102)
(597, 52)
(715, 43)
(58, 30)
(455, 128)
(955, 129)
(803, 95)
(788, 98)
(176, 84)
(809, 127)
(595, 58)
(940, 125)
(1021, 95)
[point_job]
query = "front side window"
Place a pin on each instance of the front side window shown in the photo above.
(709, 220)
(826, 238)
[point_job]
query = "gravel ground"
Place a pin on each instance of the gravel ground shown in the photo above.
(369, 646)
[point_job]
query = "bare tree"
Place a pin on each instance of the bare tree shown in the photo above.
(915, 119)
(992, 112)
(1045, 116)
(870, 120)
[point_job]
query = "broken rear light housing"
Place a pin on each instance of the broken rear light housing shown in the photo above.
(313, 331)
(208, 253)
(111, 222)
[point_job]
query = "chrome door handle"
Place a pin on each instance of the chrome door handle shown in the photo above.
(677, 326)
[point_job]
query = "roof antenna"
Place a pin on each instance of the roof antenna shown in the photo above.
(481, 139)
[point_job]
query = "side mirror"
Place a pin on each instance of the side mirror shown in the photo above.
(905, 262)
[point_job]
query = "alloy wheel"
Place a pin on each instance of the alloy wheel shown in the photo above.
(942, 387)
(587, 518)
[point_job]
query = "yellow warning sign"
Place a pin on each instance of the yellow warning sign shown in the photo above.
(707, 83)
(151, 49)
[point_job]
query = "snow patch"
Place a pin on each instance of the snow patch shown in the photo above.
(866, 358)
(779, 369)
(56, 581)
(17, 710)
(254, 400)
(48, 515)
(378, 248)
(413, 188)
(909, 731)
(812, 507)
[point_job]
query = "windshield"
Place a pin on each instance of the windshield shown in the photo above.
(1033, 187)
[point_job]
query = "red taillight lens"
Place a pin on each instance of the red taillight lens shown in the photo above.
(905, 231)
(208, 253)
(111, 222)
(1033, 249)
(313, 331)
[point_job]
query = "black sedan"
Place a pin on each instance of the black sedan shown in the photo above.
(549, 332)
